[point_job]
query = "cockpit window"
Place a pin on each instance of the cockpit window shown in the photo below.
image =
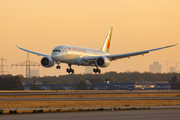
(56, 50)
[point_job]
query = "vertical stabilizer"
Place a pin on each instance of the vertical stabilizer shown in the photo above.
(106, 44)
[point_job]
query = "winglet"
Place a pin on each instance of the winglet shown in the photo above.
(107, 41)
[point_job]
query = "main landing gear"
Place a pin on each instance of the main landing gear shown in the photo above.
(70, 70)
(96, 70)
(58, 67)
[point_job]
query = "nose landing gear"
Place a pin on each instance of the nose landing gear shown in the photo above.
(58, 67)
(70, 70)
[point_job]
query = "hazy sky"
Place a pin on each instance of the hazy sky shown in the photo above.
(40, 25)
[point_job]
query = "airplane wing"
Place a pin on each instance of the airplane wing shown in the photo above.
(120, 56)
(33, 52)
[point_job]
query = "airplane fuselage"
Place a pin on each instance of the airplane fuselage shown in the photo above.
(74, 55)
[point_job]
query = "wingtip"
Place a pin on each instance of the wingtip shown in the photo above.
(171, 45)
(175, 44)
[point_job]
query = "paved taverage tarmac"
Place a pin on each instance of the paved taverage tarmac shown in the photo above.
(166, 113)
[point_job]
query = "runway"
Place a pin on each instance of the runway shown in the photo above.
(84, 99)
(91, 92)
(156, 113)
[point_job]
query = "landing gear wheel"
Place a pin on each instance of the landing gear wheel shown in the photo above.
(96, 70)
(99, 71)
(58, 67)
(72, 70)
(69, 70)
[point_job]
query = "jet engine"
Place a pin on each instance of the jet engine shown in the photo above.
(102, 62)
(47, 62)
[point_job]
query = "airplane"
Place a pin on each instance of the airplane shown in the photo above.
(72, 55)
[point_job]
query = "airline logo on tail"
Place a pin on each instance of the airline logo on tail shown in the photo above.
(108, 44)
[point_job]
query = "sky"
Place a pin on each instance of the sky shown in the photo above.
(138, 25)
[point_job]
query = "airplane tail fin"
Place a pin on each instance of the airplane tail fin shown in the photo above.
(107, 41)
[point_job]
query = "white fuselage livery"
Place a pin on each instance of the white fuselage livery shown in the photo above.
(85, 56)
(74, 55)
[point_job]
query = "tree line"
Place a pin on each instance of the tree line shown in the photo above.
(11, 83)
(117, 77)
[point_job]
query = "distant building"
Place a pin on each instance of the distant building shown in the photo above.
(108, 81)
(161, 81)
(34, 73)
(32, 82)
(144, 85)
(110, 86)
(151, 86)
(25, 82)
(172, 69)
(53, 86)
(122, 86)
(155, 67)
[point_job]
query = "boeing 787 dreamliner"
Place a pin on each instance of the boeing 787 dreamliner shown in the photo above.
(84, 56)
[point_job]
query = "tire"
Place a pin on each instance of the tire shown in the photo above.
(72, 70)
(67, 70)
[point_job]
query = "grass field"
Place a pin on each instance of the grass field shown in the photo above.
(96, 103)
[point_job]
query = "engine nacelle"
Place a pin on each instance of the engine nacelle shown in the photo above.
(47, 62)
(102, 62)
